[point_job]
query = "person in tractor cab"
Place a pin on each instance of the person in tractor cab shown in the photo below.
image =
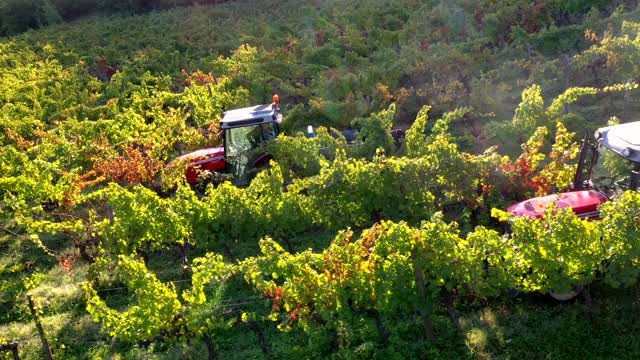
(241, 156)
(611, 173)
(245, 130)
(617, 161)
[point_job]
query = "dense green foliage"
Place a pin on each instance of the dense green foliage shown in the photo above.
(392, 275)
(341, 60)
(92, 111)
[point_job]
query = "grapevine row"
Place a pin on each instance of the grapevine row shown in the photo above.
(391, 268)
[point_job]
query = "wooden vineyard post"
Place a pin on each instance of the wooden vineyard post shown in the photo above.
(13, 347)
(36, 319)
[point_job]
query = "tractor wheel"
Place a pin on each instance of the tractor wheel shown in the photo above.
(564, 296)
(251, 174)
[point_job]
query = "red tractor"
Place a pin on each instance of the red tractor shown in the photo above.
(607, 166)
(244, 130)
(241, 157)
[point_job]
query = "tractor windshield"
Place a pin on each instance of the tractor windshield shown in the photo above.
(241, 144)
(611, 172)
(241, 139)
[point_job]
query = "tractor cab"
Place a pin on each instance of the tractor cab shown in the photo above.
(241, 156)
(609, 164)
(244, 131)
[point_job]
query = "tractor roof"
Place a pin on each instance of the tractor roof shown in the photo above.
(623, 139)
(259, 114)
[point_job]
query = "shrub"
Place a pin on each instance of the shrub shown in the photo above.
(17, 16)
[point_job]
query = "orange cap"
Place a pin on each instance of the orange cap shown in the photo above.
(276, 98)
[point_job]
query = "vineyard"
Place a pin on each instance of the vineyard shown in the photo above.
(383, 249)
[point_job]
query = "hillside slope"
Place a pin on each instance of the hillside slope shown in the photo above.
(92, 110)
